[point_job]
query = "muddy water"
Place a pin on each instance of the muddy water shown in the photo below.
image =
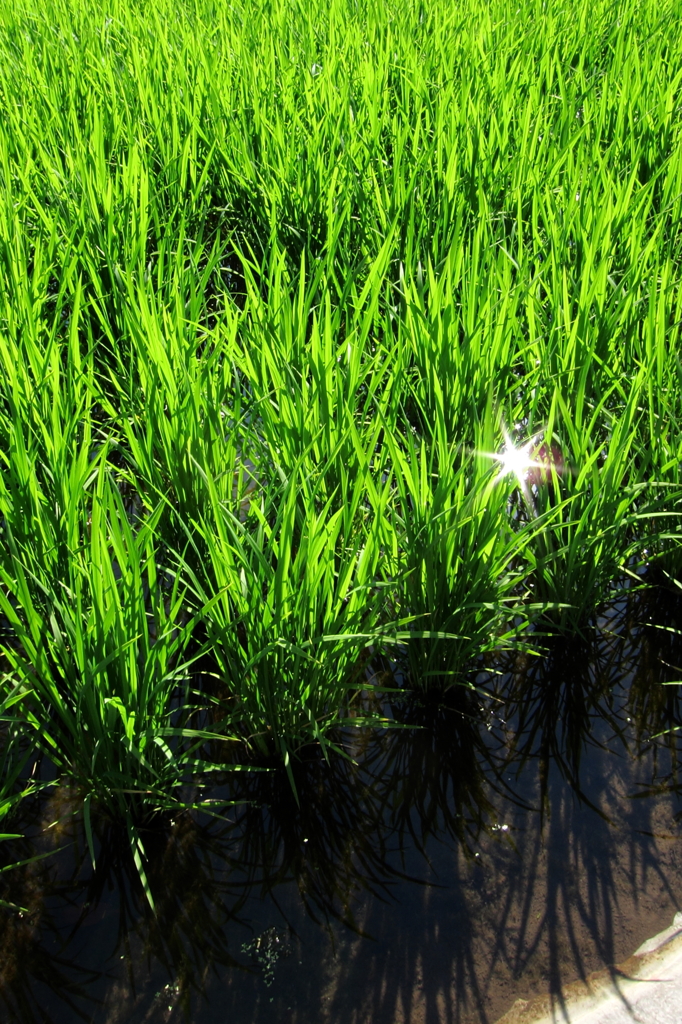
(501, 843)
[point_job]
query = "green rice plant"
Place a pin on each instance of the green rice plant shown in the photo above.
(659, 447)
(262, 388)
(591, 503)
(98, 675)
(323, 377)
(456, 562)
(188, 421)
(289, 600)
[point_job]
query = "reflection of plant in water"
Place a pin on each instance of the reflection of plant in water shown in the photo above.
(186, 936)
(556, 704)
(440, 775)
(333, 843)
(654, 698)
(168, 997)
(28, 937)
(333, 840)
(552, 703)
(656, 635)
(266, 949)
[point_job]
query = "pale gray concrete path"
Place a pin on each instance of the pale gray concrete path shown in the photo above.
(646, 989)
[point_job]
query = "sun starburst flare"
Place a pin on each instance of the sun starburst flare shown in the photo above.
(531, 464)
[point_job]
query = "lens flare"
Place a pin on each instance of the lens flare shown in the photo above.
(516, 460)
(532, 463)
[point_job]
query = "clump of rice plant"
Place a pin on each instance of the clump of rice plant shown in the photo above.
(97, 671)
(456, 562)
(289, 601)
(590, 501)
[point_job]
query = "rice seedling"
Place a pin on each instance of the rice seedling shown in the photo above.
(289, 601)
(97, 676)
(457, 561)
(590, 501)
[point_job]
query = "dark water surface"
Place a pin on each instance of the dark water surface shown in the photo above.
(522, 837)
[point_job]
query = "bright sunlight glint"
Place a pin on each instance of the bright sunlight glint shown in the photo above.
(515, 460)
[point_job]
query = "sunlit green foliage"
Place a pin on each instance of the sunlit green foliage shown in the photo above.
(276, 281)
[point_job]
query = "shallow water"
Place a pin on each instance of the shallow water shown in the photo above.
(512, 840)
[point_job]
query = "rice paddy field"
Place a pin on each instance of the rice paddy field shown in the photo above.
(340, 353)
